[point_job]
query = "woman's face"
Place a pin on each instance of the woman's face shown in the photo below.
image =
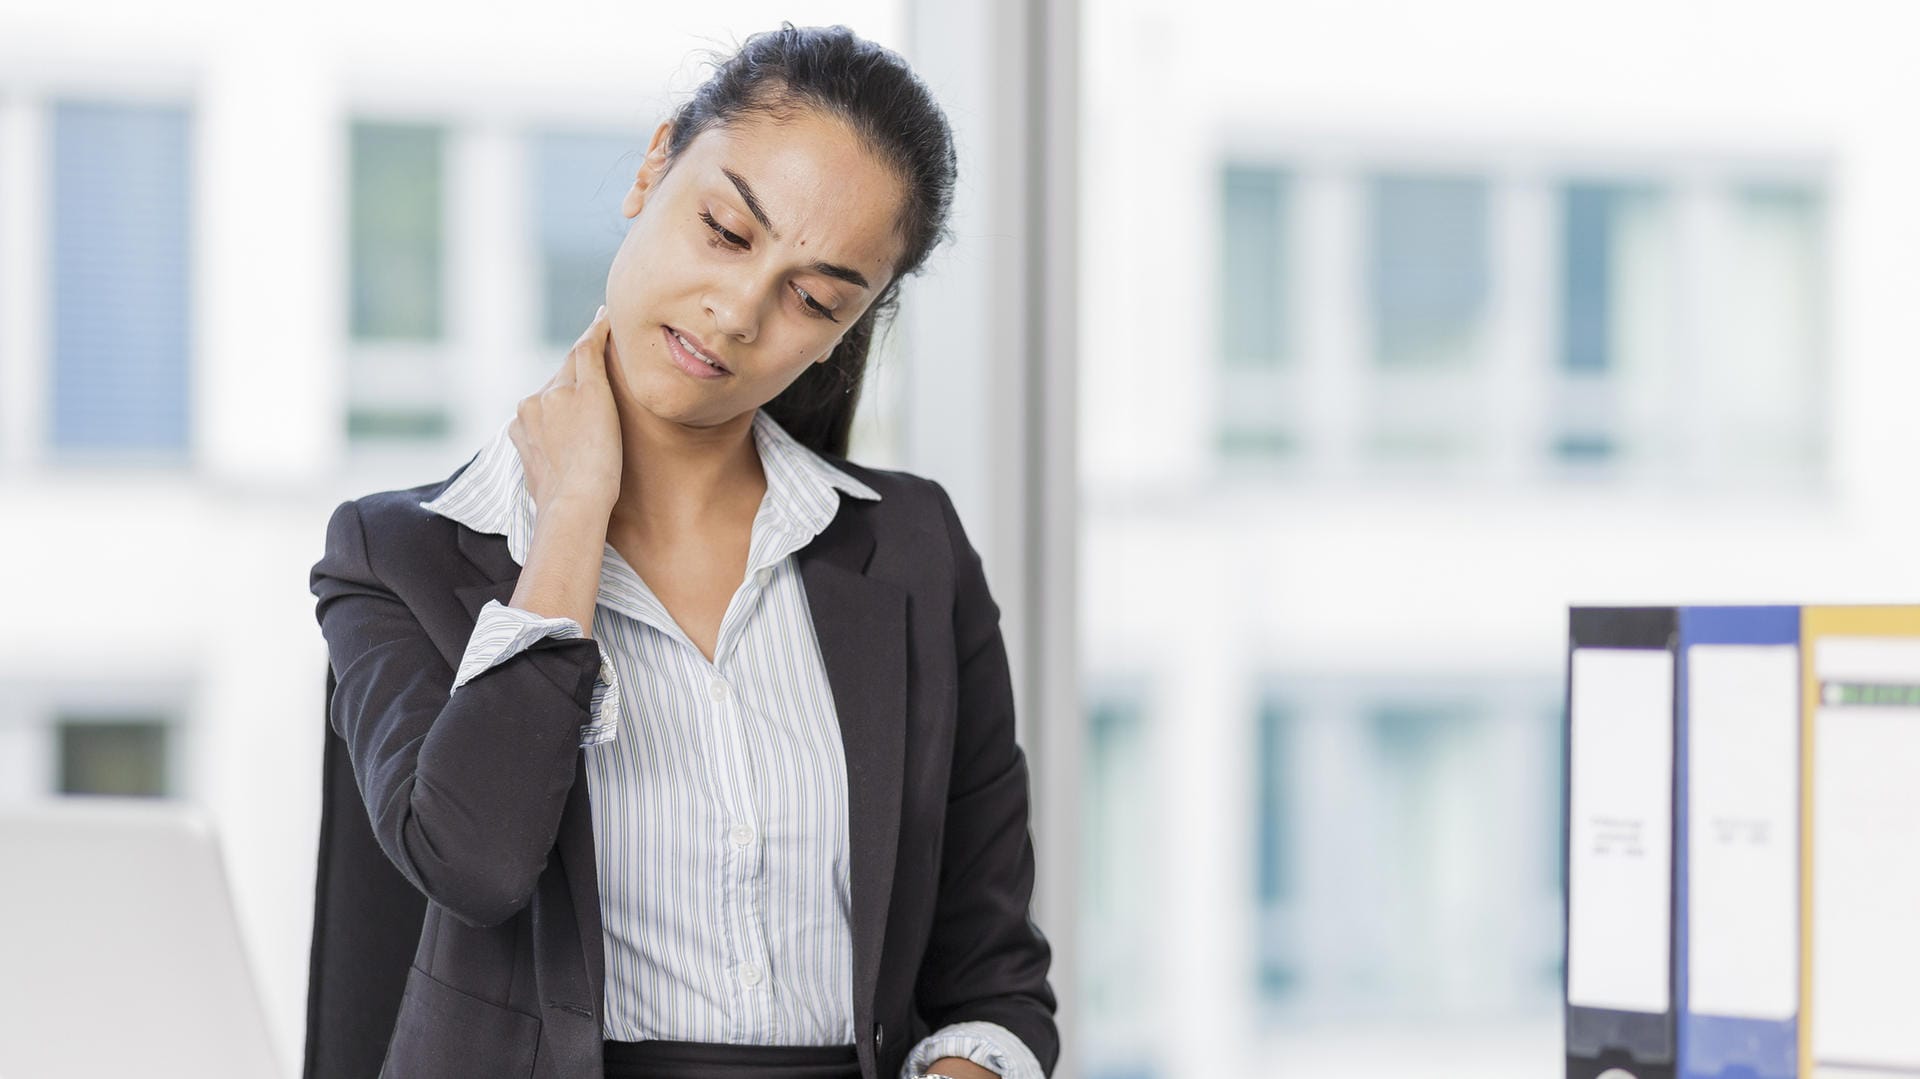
(809, 223)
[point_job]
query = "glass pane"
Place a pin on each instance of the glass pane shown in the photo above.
(118, 757)
(121, 277)
(1586, 274)
(1618, 344)
(1115, 856)
(1253, 286)
(1428, 266)
(1258, 385)
(578, 182)
(397, 423)
(1770, 386)
(1277, 821)
(1251, 441)
(396, 250)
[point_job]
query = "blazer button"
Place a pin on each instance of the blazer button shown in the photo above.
(879, 1034)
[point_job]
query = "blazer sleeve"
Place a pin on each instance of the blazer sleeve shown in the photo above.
(986, 959)
(464, 791)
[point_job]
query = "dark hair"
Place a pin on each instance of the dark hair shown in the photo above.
(870, 88)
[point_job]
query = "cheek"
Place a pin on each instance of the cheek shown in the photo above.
(801, 347)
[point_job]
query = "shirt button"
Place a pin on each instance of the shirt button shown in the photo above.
(718, 689)
(750, 974)
(764, 575)
(742, 835)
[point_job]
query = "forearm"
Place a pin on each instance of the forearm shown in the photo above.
(562, 574)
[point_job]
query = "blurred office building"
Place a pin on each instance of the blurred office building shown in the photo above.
(1401, 328)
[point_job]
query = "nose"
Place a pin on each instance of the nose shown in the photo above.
(735, 309)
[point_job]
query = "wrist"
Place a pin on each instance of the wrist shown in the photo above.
(580, 499)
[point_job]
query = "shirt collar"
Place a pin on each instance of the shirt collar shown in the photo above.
(491, 494)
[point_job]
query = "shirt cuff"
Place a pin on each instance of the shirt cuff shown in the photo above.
(989, 1045)
(502, 632)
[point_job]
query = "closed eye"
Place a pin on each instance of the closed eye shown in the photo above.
(816, 305)
(728, 237)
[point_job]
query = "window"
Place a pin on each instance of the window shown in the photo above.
(1253, 270)
(1662, 323)
(1277, 860)
(1618, 345)
(1442, 896)
(396, 231)
(1259, 385)
(579, 181)
(1768, 410)
(80, 736)
(1432, 831)
(121, 279)
(1118, 853)
(1119, 862)
(396, 264)
(1427, 269)
(113, 755)
(1428, 280)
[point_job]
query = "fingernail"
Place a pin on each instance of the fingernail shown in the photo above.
(602, 311)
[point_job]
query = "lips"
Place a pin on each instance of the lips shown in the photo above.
(693, 346)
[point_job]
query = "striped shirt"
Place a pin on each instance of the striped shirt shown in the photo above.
(719, 789)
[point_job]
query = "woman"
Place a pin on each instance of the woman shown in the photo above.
(695, 737)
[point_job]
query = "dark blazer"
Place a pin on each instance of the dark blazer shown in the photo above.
(457, 921)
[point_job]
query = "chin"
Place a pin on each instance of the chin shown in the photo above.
(673, 404)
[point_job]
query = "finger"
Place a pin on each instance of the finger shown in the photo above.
(597, 326)
(592, 349)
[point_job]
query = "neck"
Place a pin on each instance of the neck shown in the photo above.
(677, 480)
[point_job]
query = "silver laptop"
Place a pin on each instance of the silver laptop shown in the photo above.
(119, 952)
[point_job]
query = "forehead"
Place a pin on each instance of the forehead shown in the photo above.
(828, 196)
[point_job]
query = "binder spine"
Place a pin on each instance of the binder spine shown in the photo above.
(1716, 1046)
(1601, 1040)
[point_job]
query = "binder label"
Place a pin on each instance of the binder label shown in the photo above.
(1620, 858)
(1743, 830)
(1866, 874)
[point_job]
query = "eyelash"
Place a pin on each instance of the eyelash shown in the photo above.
(723, 236)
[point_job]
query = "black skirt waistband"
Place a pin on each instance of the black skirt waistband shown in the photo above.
(659, 1059)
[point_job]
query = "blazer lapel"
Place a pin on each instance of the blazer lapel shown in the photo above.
(861, 624)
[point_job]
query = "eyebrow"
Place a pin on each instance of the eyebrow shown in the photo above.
(831, 269)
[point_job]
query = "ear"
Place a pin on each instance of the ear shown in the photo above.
(652, 167)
